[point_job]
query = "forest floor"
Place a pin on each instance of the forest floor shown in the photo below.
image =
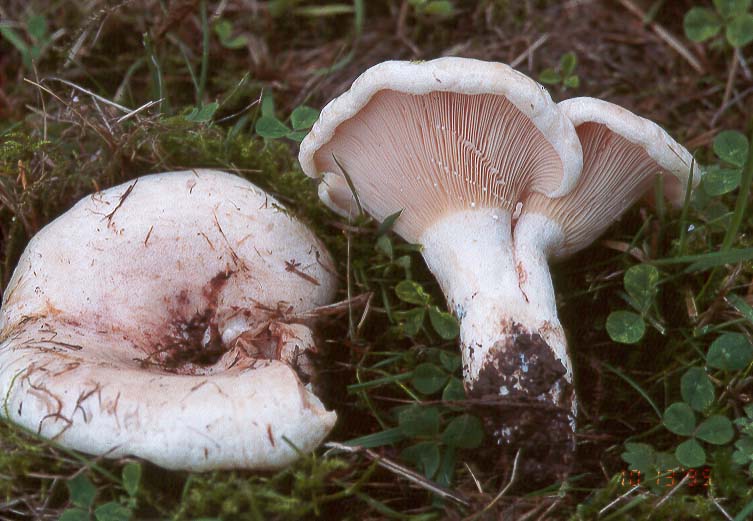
(72, 76)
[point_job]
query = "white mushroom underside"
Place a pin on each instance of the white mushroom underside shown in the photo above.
(671, 157)
(432, 154)
(615, 174)
(107, 299)
(450, 74)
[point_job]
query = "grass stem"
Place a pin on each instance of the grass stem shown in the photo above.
(204, 53)
(742, 200)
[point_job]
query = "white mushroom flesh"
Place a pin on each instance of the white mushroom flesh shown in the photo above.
(158, 319)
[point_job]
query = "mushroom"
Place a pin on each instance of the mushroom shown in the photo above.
(622, 155)
(455, 144)
(162, 318)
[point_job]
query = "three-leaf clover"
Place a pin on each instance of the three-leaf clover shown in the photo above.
(743, 454)
(641, 285)
(269, 126)
(731, 147)
(436, 431)
(464, 431)
(698, 395)
(734, 16)
(680, 419)
(444, 323)
(649, 463)
(82, 493)
(428, 378)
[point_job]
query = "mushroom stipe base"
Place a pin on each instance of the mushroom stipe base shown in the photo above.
(513, 350)
(528, 403)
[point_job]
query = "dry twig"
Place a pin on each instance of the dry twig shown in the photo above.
(665, 36)
(400, 470)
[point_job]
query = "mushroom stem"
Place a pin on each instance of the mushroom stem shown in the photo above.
(470, 254)
(513, 347)
(534, 237)
(503, 336)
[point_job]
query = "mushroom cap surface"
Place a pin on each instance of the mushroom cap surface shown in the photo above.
(622, 154)
(439, 136)
(151, 319)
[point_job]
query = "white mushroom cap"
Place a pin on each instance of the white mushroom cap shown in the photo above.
(440, 136)
(150, 319)
(622, 154)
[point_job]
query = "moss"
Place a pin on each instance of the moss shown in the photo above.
(294, 493)
(66, 148)
(20, 456)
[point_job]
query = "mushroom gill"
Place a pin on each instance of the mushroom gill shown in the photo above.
(435, 153)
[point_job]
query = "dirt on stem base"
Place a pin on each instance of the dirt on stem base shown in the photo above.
(525, 403)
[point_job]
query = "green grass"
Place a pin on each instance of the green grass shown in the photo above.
(390, 368)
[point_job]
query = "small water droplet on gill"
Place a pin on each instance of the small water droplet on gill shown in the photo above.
(518, 209)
